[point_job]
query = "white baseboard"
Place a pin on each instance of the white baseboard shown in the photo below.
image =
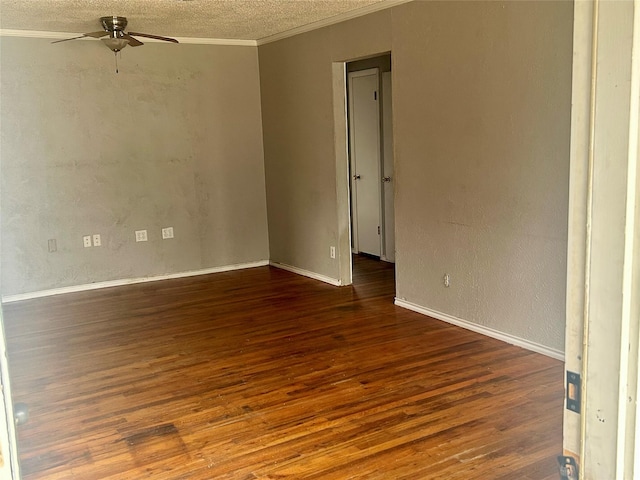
(129, 281)
(489, 332)
(307, 273)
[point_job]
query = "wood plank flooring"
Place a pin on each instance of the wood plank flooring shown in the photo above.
(263, 374)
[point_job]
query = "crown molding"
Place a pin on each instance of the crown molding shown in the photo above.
(65, 35)
(5, 32)
(216, 41)
(376, 7)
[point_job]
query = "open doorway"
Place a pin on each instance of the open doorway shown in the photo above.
(370, 164)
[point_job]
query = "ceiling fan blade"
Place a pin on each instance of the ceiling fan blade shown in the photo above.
(67, 39)
(133, 42)
(96, 34)
(85, 35)
(165, 39)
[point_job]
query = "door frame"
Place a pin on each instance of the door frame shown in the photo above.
(10, 465)
(343, 179)
(343, 190)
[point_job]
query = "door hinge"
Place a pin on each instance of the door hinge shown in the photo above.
(378, 229)
(375, 95)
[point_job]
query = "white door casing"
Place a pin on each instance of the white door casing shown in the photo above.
(9, 464)
(603, 274)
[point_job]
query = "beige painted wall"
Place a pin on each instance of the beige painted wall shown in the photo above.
(482, 94)
(174, 139)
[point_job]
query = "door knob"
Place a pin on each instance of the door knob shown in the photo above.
(386, 179)
(356, 177)
(21, 413)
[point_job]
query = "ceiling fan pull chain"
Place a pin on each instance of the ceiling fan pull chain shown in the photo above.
(115, 54)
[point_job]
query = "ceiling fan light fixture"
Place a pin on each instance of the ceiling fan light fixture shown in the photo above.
(115, 44)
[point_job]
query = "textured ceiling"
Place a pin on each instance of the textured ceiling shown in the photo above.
(219, 19)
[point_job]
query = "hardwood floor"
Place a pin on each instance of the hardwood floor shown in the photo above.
(263, 374)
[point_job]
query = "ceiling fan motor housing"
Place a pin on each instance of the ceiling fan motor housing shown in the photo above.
(113, 24)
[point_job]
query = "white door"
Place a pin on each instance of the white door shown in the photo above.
(364, 132)
(9, 466)
(389, 239)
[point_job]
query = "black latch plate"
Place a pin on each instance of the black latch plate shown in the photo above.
(573, 392)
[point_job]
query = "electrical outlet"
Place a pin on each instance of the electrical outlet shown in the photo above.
(53, 247)
(86, 240)
(167, 232)
(141, 235)
(97, 242)
(332, 251)
(446, 280)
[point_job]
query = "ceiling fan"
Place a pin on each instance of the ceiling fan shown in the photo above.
(117, 38)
